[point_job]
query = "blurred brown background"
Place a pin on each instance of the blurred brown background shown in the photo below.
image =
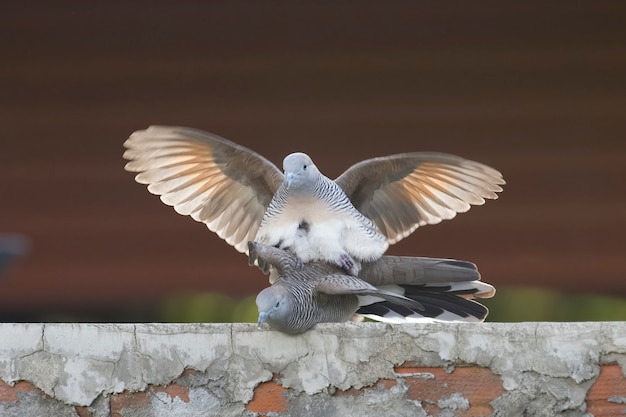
(536, 90)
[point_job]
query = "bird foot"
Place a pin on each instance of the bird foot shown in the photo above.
(254, 258)
(348, 264)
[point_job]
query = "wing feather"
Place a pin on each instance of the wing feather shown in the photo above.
(401, 192)
(224, 185)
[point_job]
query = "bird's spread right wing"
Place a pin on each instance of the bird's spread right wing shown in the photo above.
(224, 185)
(402, 192)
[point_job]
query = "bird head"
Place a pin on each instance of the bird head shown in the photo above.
(274, 305)
(300, 171)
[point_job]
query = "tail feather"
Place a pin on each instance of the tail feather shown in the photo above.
(417, 270)
(469, 289)
(436, 308)
(452, 301)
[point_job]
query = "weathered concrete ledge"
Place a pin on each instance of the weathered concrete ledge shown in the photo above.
(365, 369)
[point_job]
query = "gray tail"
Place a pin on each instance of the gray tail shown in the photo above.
(444, 287)
(417, 270)
(438, 305)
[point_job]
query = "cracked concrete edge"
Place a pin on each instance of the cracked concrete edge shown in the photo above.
(78, 363)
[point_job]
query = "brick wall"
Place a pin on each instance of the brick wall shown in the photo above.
(365, 369)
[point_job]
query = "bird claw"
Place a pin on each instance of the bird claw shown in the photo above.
(253, 255)
(255, 258)
(348, 264)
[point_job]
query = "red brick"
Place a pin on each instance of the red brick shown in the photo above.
(128, 399)
(83, 412)
(610, 383)
(269, 397)
(187, 372)
(478, 385)
(353, 392)
(8, 393)
(174, 390)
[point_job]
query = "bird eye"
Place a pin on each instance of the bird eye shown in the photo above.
(277, 304)
(304, 167)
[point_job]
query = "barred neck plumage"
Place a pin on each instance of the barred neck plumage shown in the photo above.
(304, 314)
(327, 190)
(277, 204)
(310, 307)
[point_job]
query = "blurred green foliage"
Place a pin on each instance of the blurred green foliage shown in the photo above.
(508, 305)
(533, 304)
(208, 308)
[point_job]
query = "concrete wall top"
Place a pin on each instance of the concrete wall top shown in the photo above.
(233, 369)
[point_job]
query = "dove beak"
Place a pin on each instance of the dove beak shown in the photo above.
(262, 317)
(289, 177)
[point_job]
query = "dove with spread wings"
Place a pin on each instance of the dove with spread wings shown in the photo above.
(243, 197)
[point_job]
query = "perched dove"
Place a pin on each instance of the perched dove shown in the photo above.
(393, 289)
(243, 197)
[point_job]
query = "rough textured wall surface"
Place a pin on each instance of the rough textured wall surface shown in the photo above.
(365, 369)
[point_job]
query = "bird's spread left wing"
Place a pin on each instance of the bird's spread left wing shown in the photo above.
(209, 178)
(401, 192)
